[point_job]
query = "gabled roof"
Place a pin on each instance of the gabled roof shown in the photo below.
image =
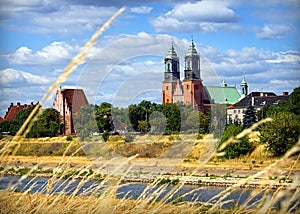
(220, 95)
(13, 110)
(75, 99)
(259, 99)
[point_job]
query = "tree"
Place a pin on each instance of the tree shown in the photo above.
(157, 122)
(103, 117)
(249, 117)
(281, 134)
(294, 100)
(172, 114)
(239, 149)
(47, 124)
(196, 120)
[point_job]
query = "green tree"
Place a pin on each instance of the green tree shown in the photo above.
(173, 118)
(281, 134)
(249, 117)
(103, 117)
(47, 124)
(158, 122)
(196, 121)
(294, 100)
(136, 113)
(238, 149)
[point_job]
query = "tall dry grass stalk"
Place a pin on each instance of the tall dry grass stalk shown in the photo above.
(147, 201)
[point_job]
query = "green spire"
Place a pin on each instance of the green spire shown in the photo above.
(171, 53)
(192, 50)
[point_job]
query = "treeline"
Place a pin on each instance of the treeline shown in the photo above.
(143, 117)
(278, 136)
(46, 125)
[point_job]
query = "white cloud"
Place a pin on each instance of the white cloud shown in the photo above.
(11, 77)
(206, 16)
(56, 17)
(141, 10)
(273, 32)
(285, 57)
(55, 53)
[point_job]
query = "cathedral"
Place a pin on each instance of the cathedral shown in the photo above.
(190, 90)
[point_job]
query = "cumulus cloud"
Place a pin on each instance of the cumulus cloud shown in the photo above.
(11, 77)
(273, 32)
(141, 10)
(199, 16)
(54, 53)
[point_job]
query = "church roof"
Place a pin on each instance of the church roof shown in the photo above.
(192, 50)
(220, 95)
(172, 54)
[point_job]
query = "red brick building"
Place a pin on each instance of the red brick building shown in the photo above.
(13, 110)
(68, 103)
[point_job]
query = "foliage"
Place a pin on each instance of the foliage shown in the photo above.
(281, 134)
(157, 122)
(249, 117)
(69, 138)
(103, 117)
(239, 149)
(47, 124)
(142, 127)
(196, 120)
(294, 101)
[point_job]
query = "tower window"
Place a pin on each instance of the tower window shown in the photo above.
(167, 87)
(187, 87)
(196, 87)
(168, 66)
(167, 100)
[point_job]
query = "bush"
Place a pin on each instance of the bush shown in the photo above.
(69, 138)
(281, 134)
(239, 149)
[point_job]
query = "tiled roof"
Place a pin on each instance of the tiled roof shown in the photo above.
(259, 99)
(220, 95)
(75, 99)
(13, 110)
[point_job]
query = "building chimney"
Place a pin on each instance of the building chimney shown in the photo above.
(18, 103)
(285, 93)
(11, 104)
(31, 103)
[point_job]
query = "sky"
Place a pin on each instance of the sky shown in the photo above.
(256, 39)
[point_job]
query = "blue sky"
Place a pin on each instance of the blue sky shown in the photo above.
(39, 38)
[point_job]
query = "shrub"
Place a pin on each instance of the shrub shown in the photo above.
(281, 134)
(238, 149)
(69, 138)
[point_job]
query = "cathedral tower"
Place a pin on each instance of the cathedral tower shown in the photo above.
(171, 75)
(244, 87)
(192, 83)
